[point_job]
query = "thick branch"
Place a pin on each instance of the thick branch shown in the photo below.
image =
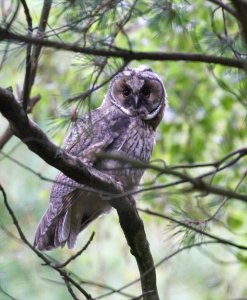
(133, 228)
(124, 54)
(7, 135)
(36, 140)
(26, 90)
(71, 166)
(241, 8)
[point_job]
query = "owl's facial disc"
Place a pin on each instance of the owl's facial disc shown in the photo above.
(138, 96)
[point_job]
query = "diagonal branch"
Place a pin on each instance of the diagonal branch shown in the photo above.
(7, 135)
(196, 182)
(62, 272)
(225, 6)
(78, 253)
(194, 228)
(71, 166)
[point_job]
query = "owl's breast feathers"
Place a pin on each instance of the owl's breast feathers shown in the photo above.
(132, 138)
(120, 126)
(111, 131)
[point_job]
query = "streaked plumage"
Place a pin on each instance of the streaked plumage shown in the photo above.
(124, 124)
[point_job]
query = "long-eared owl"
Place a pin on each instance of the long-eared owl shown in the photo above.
(125, 124)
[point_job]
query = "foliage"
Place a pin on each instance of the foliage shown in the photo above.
(205, 121)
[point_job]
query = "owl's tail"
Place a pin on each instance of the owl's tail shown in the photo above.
(56, 230)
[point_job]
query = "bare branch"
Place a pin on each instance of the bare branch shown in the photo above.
(124, 54)
(7, 135)
(92, 283)
(25, 96)
(69, 287)
(13, 17)
(133, 228)
(6, 294)
(159, 263)
(40, 34)
(62, 272)
(225, 6)
(78, 253)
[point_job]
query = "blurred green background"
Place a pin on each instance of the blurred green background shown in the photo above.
(205, 121)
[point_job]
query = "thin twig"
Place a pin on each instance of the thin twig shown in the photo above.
(159, 263)
(69, 287)
(26, 86)
(73, 257)
(226, 7)
(40, 34)
(9, 24)
(194, 228)
(6, 294)
(62, 272)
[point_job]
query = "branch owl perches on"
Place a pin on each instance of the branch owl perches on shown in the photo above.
(125, 123)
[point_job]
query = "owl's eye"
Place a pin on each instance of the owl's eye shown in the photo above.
(126, 91)
(145, 91)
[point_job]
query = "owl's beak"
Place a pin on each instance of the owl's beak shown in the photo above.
(136, 101)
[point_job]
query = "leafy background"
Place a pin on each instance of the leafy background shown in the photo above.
(206, 120)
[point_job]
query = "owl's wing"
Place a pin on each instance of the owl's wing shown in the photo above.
(84, 142)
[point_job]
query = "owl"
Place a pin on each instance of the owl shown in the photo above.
(125, 124)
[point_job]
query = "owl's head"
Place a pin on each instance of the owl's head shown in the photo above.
(139, 92)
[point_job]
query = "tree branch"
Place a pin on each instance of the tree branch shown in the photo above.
(124, 54)
(7, 135)
(26, 86)
(241, 8)
(31, 64)
(226, 7)
(134, 232)
(196, 182)
(71, 166)
(62, 272)
(73, 257)
(36, 51)
(194, 228)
